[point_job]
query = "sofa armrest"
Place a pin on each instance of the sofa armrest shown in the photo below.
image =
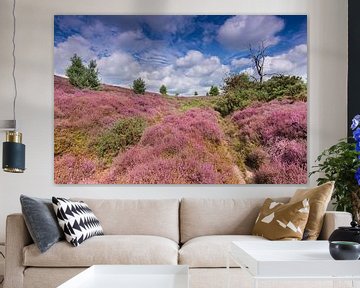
(333, 220)
(17, 237)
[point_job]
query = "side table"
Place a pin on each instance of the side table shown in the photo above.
(293, 263)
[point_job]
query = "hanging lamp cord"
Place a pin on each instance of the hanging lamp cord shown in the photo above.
(14, 61)
(2, 276)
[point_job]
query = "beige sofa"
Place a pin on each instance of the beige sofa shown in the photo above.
(194, 232)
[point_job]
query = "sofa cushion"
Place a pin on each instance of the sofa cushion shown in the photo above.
(279, 221)
(158, 217)
(319, 198)
(76, 220)
(107, 249)
(41, 221)
(201, 217)
(211, 251)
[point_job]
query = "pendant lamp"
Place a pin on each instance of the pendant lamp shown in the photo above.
(13, 160)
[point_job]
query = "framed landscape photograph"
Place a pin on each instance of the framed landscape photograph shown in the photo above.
(196, 99)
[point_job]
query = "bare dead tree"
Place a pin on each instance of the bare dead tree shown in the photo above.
(258, 56)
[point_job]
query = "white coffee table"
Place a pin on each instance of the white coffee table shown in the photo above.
(131, 276)
(292, 260)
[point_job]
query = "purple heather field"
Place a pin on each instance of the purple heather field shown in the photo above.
(114, 136)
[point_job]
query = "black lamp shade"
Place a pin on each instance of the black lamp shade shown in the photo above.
(13, 157)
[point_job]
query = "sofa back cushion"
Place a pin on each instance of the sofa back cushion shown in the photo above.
(158, 217)
(200, 217)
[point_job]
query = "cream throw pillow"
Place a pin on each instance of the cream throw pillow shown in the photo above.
(279, 221)
(319, 198)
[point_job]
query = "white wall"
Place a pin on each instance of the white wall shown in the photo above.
(327, 96)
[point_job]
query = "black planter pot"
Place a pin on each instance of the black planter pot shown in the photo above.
(351, 234)
(343, 250)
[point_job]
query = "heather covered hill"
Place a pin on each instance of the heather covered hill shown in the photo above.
(274, 136)
(186, 148)
(113, 135)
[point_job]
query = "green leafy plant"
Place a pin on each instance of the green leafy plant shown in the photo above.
(339, 163)
(139, 86)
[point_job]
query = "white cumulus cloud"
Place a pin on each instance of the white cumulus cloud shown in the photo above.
(241, 31)
(191, 58)
(65, 50)
(241, 62)
(119, 68)
(294, 62)
(189, 73)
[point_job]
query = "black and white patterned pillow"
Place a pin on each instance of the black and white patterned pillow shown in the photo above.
(77, 220)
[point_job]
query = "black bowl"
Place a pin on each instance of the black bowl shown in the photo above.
(343, 250)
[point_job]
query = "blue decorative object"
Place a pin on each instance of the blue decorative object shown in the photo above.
(357, 176)
(355, 122)
(356, 134)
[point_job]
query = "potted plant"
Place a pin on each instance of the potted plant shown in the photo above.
(341, 163)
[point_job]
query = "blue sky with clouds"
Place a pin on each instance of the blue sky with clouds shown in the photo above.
(186, 53)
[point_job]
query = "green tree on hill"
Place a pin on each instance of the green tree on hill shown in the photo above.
(163, 90)
(92, 76)
(240, 81)
(139, 86)
(196, 93)
(283, 85)
(81, 76)
(214, 91)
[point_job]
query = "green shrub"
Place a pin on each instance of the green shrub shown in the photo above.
(285, 86)
(81, 76)
(163, 90)
(276, 87)
(126, 132)
(252, 94)
(230, 102)
(238, 82)
(139, 86)
(214, 91)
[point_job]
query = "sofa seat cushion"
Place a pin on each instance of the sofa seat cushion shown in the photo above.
(158, 217)
(107, 249)
(211, 251)
(206, 217)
